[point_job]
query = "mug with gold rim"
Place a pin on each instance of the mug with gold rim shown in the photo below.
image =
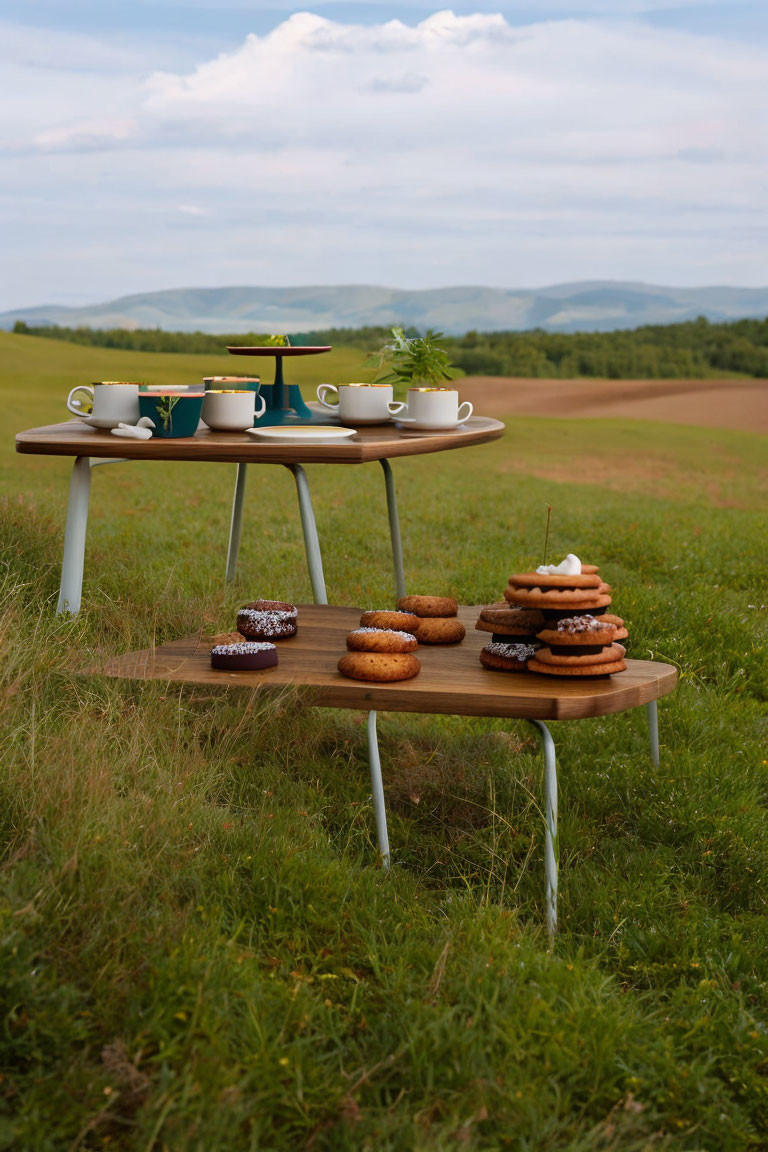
(361, 403)
(232, 409)
(436, 407)
(108, 403)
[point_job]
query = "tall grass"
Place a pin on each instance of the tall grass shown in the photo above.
(198, 949)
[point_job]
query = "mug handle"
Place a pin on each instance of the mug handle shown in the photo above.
(323, 391)
(76, 406)
(467, 415)
(258, 415)
(396, 406)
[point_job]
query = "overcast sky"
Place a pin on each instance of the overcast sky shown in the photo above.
(177, 143)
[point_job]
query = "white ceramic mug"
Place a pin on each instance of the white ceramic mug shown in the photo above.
(361, 403)
(437, 408)
(231, 410)
(112, 402)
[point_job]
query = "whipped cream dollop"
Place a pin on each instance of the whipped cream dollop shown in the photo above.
(571, 566)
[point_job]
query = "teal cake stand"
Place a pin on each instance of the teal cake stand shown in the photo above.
(284, 401)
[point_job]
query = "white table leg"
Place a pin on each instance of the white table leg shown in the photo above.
(71, 588)
(551, 851)
(309, 528)
(652, 710)
(394, 529)
(236, 523)
(377, 789)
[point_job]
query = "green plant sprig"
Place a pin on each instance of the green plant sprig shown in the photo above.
(165, 406)
(414, 360)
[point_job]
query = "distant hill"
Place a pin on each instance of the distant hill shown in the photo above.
(585, 306)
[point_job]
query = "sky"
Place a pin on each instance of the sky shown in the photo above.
(180, 143)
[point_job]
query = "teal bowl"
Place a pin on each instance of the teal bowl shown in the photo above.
(173, 415)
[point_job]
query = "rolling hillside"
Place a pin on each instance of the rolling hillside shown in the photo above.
(579, 307)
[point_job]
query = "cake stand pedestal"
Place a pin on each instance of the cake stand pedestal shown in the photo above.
(284, 401)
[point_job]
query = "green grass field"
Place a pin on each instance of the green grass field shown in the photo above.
(198, 951)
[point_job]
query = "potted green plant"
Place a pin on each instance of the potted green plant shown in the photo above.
(412, 361)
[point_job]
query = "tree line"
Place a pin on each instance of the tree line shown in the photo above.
(696, 348)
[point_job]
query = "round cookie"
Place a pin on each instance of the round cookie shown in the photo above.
(535, 665)
(618, 623)
(379, 666)
(525, 620)
(244, 656)
(380, 640)
(389, 619)
(577, 631)
(429, 605)
(544, 580)
(506, 657)
(574, 599)
(439, 630)
(575, 659)
(267, 620)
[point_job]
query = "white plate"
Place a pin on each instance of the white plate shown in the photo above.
(419, 426)
(311, 434)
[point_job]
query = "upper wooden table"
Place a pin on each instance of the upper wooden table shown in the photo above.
(380, 442)
(451, 681)
(376, 442)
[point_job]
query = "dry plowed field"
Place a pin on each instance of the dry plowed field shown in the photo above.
(741, 404)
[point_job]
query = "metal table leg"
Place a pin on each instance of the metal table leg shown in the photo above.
(309, 528)
(71, 588)
(377, 789)
(551, 852)
(236, 523)
(394, 529)
(73, 561)
(652, 709)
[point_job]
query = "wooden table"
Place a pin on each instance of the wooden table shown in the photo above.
(380, 442)
(452, 681)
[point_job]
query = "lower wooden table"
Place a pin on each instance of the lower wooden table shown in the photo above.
(381, 442)
(452, 681)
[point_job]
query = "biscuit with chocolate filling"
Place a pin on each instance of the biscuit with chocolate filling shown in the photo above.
(579, 631)
(535, 665)
(547, 580)
(575, 599)
(576, 659)
(506, 657)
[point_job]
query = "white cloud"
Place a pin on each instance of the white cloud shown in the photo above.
(458, 149)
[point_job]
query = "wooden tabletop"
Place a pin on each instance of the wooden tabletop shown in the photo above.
(451, 680)
(376, 442)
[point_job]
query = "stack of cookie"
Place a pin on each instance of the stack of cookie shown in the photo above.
(581, 645)
(554, 621)
(379, 652)
(513, 636)
(436, 619)
(578, 638)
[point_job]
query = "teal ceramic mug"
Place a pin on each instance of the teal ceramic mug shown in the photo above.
(174, 414)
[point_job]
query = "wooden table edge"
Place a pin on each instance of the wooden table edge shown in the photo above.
(65, 440)
(643, 681)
